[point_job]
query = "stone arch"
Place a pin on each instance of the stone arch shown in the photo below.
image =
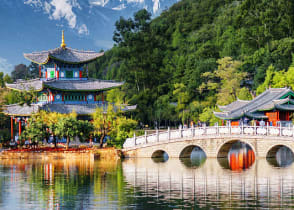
(158, 153)
(284, 159)
(224, 148)
(272, 150)
(187, 150)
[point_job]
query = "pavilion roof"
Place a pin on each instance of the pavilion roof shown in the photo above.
(64, 54)
(66, 85)
(79, 85)
(17, 110)
(272, 98)
(80, 109)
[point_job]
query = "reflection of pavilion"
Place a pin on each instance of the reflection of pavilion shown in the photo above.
(261, 185)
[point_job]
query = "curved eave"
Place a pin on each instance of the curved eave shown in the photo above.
(70, 62)
(40, 63)
(80, 90)
(16, 89)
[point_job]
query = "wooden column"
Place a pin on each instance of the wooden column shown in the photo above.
(40, 73)
(11, 126)
(19, 127)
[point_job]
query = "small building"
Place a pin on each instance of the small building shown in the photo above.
(63, 85)
(275, 106)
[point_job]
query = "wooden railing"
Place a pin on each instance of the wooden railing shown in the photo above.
(170, 135)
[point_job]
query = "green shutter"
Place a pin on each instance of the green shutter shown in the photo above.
(52, 74)
(69, 74)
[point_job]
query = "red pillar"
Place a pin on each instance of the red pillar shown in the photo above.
(80, 74)
(40, 74)
(11, 126)
(19, 127)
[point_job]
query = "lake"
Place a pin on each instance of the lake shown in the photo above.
(147, 183)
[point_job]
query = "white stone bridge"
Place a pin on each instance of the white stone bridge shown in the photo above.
(214, 141)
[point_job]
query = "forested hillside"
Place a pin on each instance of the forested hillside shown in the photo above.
(197, 54)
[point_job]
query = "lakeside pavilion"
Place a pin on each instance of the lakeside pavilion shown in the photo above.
(274, 106)
(63, 85)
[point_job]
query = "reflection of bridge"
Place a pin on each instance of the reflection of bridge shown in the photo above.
(214, 141)
(261, 186)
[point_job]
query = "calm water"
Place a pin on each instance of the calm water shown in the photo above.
(145, 184)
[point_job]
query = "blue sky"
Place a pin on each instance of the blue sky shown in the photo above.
(36, 25)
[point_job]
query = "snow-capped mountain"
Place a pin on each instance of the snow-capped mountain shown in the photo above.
(33, 25)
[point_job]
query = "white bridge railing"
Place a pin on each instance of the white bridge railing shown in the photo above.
(171, 135)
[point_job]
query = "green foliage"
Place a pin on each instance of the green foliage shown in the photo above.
(188, 41)
(225, 81)
(112, 123)
(208, 116)
(69, 127)
(244, 94)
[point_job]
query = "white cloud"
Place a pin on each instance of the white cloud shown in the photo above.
(119, 7)
(83, 29)
(156, 5)
(63, 9)
(5, 66)
(36, 3)
(99, 2)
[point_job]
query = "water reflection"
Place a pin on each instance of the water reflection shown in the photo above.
(280, 156)
(143, 183)
(241, 156)
(195, 159)
(210, 186)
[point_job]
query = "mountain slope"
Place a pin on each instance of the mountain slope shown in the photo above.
(164, 61)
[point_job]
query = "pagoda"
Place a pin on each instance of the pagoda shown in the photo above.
(63, 85)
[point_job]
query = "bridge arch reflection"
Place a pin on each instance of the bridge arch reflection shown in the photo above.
(280, 156)
(160, 156)
(224, 149)
(192, 156)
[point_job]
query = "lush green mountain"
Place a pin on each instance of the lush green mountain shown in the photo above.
(164, 60)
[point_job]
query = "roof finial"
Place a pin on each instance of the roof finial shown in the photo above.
(63, 45)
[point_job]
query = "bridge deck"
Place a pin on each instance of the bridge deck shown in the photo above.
(215, 132)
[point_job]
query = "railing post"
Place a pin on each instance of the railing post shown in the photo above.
(157, 135)
(255, 129)
(280, 128)
(145, 137)
(242, 128)
(267, 129)
(168, 133)
(135, 139)
(230, 128)
(293, 131)
(193, 131)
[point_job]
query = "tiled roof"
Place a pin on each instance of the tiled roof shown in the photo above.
(34, 84)
(269, 98)
(233, 105)
(80, 109)
(88, 85)
(63, 54)
(18, 110)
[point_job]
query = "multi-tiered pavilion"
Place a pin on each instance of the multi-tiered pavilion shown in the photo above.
(63, 85)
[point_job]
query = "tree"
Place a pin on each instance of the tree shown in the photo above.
(113, 124)
(208, 116)
(226, 80)
(68, 127)
(35, 128)
(20, 72)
